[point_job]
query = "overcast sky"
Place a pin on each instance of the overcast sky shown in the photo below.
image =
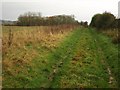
(82, 9)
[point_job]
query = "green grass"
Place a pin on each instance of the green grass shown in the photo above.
(110, 51)
(82, 59)
(87, 70)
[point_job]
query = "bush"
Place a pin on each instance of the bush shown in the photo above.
(103, 21)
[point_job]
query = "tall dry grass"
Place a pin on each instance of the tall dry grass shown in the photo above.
(16, 40)
(114, 34)
(19, 36)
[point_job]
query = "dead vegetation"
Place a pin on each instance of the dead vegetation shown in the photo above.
(114, 34)
(20, 43)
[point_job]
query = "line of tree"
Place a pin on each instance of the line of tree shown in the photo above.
(35, 19)
(105, 20)
(85, 24)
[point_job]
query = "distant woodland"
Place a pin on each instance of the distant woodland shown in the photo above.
(105, 20)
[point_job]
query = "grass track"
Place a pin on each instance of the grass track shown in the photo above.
(55, 60)
(83, 59)
(88, 66)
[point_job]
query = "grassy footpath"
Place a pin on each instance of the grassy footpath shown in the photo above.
(84, 59)
(88, 67)
(47, 67)
(110, 52)
(80, 61)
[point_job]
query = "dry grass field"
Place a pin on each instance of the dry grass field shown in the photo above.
(64, 56)
(21, 44)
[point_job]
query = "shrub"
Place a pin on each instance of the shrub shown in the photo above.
(103, 21)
